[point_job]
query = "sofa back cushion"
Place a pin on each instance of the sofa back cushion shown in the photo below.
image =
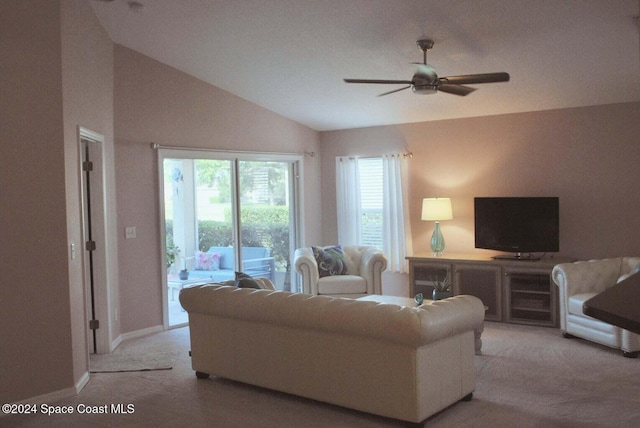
(398, 324)
(630, 265)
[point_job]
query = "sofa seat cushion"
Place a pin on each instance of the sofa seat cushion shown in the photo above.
(342, 284)
(576, 301)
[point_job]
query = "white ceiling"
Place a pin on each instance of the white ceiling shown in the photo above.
(290, 56)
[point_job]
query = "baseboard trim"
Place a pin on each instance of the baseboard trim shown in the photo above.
(50, 397)
(82, 382)
(135, 334)
(55, 396)
(115, 344)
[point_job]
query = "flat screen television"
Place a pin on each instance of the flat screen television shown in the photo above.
(520, 225)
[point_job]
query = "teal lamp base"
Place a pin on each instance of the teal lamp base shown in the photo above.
(437, 241)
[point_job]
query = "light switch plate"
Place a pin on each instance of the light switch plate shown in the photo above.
(130, 232)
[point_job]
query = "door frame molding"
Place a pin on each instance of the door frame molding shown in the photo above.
(101, 275)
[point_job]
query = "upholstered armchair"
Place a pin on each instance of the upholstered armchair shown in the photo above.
(578, 282)
(361, 274)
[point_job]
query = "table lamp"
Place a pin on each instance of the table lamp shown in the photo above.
(436, 209)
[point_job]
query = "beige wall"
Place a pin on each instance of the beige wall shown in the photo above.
(87, 83)
(156, 103)
(35, 353)
(57, 74)
(586, 156)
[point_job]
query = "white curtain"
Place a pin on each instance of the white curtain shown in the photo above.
(348, 201)
(394, 207)
(395, 231)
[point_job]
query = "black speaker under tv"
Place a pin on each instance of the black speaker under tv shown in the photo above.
(520, 225)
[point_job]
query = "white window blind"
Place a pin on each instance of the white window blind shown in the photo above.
(371, 201)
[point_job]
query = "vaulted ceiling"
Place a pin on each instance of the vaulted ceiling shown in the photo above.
(290, 56)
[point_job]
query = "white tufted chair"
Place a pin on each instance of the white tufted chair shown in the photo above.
(578, 282)
(364, 272)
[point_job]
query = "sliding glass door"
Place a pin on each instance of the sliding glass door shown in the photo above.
(226, 214)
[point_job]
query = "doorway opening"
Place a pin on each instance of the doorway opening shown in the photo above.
(94, 234)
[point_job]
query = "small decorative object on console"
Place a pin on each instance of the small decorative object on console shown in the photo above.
(441, 289)
(419, 298)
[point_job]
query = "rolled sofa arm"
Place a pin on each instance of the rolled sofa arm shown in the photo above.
(306, 265)
(442, 318)
(372, 264)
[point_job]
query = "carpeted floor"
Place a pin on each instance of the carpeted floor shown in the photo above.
(527, 377)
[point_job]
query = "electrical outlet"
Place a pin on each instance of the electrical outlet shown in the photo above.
(130, 232)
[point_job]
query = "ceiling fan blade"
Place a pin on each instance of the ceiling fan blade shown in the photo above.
(476, 78)
(395, 90)
(455, 89)
(394, 82)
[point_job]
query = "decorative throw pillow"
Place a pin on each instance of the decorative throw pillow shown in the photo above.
(330, 260)
(245, 281)
(207, 261)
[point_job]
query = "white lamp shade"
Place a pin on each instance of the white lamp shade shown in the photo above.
(436, 209)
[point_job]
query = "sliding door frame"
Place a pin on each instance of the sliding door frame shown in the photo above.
(295, 184)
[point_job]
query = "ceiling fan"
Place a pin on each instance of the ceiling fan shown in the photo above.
(426, 80)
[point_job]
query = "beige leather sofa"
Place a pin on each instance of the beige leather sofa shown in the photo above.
(364, 272)
(578, 282)
(393, 361)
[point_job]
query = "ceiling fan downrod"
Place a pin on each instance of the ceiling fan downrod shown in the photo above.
(424, 45)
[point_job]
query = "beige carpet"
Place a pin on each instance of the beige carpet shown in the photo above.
(526, 377)
(131, 362)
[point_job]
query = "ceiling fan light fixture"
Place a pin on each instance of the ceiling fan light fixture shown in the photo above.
(424, 89)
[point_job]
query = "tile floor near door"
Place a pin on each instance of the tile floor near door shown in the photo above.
(177, 315)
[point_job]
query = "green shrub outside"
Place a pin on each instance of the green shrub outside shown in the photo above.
(262, 226)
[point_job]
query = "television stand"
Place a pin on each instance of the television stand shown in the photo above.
(518, 291)
(519, 257)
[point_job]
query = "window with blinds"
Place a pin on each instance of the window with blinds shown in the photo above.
(371, 198)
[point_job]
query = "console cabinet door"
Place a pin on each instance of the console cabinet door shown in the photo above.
(423, 275)
(484, 282)
(531, 297)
